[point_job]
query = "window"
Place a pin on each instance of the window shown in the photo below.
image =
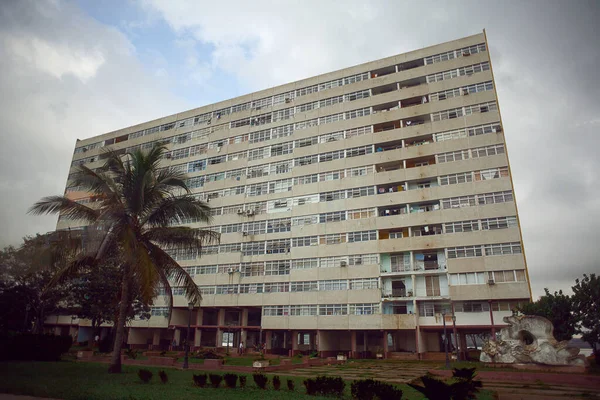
(331, 137)
(303, 310)
(237, 156)
(480, 108)
(331, 196)
(230, 248)
(331, 101)
(332, 175)
(307, 90)
(253, 248)
(493, 198)
(502, 249)
(258, 189)
(260, 136)
(226, 289)
(470, 278)
(332, 262)
(306, 124)
(306, 160)
(456, 178)
(333, 155)
(358, 113)
(446, 94)
(364, 309)
(498, 223)
(305, 241)
(447, 114)
(362, 213)
(364, 259)
(281, 168)
(463, 226)
(331, 84)
(282, 131)
(275, 311)
(305, 263)
(305, 286)
(305, 220)
(277, 287)
(334, 238)
(493, 173)
(332, 217)
(430, 309)
(453, 156)
(232, 228)
(252, 288)
(359, 151)
(362, 236)
(279, 225)
(258, 154)
(252, 269)
(472, 307)
(307, 107)
(282, 149)
(281, 267)
(306, 142)
(363, 94)
(333, 309)
(283, 98)
(204, 290)
(366, 283)
(487, 151)
(356, 78)
(464, 251)
(360, 192)
(159, 311)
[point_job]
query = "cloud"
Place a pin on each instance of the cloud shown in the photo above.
(63, 76)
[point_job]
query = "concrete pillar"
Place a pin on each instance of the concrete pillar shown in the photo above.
(244, 317)
(492, 322)
(294, 341)
(219, 338)
(268, 339)
(353, 351)
(463, 347)
(385, 344)
(199, 315)
(221, 317)
(156, 337)
(197, 337)
(177, 336)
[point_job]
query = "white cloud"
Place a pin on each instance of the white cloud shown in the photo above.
(55, 59)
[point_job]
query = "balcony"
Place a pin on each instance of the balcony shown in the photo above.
(396, 293)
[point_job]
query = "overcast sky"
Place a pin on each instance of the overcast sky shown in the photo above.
(73, 70)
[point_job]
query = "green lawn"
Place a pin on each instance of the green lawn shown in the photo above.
(71, 380)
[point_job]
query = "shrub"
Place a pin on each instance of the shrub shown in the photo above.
(369, 389)
(230, 380)
(261, 380)
(207, 354)
(243, 381)
(31, 347)
(215, 380)
(465, 387)
(276, 382)
(200, 380)
(290, 384)
(325, 386)
(460, 389)
(464, 373)
(163, 376)
(145, 375)
(131, 353)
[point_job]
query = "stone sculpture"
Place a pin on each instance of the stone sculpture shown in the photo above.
(529, 339)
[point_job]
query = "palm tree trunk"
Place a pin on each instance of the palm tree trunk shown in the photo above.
(115, 362)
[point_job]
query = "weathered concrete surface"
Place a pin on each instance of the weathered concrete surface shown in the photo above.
(530, 339)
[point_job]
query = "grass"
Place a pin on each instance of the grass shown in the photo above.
(75, 380)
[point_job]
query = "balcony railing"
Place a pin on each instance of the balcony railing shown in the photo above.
(397, 293)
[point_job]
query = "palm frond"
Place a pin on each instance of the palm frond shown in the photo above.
(181, 237)
(97, 182)
(175, 273)
(177, 209)
(67, 207)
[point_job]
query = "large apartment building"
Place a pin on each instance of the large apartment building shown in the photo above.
(358, 209)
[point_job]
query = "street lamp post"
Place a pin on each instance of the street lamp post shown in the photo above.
(455, 336)
(187, 339)
(445, 340)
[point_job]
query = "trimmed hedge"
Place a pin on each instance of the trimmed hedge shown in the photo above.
(30, 347)
(325, 386)
(369, 389)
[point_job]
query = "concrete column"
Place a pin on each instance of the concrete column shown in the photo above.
(199, 315)
(197, 337)
(219, 338)
(463, 347)
(156, 337)
(294, 341)
(353, 351)
(385, 344)
(492, 322)
(268, 339)
(244, 317)
(177, 336)
(221, 317)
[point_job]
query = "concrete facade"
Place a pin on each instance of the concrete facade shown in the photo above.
(355, 207)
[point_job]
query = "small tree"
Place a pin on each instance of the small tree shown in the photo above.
(557, 309)
(586, 309)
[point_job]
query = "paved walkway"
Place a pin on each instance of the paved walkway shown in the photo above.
(4, 396)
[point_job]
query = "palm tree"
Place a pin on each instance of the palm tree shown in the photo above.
(132, 220)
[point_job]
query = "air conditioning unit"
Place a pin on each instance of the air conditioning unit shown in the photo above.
(498, 129)
(491, 282)
(466, 53)
(240, 211)
(168, 155)
(465, 93)
(230, 270)
(244, 233)
(250, 212)
(343, 263)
